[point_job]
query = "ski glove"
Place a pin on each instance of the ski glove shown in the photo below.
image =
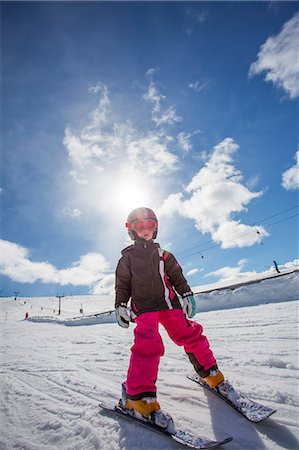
(122, 316)
(188, 305)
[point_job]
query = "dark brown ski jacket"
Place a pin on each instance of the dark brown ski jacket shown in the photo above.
(150, 277)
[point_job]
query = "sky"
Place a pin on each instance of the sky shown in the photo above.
(190, 109)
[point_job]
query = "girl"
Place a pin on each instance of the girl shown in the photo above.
(151, 278)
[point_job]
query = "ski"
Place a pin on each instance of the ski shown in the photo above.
(253, 411)
(179, 436)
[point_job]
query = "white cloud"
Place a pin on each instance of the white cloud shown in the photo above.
(99, 115)
(153, 96)
(151, 72)
(242, 262)
(160, 116)
(198, 15)
(291, 265)
(278, 56)
(194, 16)
(191, 272)
(101, 145)
(15, 263)
(184, 141)
(230, 273)
(202, 16)
(166, 245)
(116, 163)
(189, 30)
(197, 86)
(290, 178)
(171, 205)
(98, 143)
(150, 154)
(253, 182)
(235, 234)
(71, 212)
(213, 195)
(104, 286)
(168, 117)
(90, 268)
(236, 274)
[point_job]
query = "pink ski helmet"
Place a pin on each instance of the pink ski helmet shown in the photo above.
(139, 215)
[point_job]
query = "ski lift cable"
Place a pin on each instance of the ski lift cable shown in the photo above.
(240, 235)
(252, 224)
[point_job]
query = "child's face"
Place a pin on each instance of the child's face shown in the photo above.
(145, 229)
(145, 234)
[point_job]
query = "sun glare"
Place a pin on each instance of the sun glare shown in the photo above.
(131, 196)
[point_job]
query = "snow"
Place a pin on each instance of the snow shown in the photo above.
(53, 375)
(264, 291)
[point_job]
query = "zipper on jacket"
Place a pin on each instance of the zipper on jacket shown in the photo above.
(152, 272)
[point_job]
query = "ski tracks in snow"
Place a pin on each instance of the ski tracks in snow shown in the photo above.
(53, 377)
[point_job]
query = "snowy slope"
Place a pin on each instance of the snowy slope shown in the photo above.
(52, 377)
(99, 308)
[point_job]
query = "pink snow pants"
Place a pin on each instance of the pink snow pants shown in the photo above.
(148, 347)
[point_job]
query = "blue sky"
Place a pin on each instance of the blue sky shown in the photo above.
(188, 108)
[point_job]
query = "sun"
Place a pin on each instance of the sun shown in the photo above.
(129, 194)
(132, 196)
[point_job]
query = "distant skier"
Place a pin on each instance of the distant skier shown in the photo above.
(151, 278)
(276, 266)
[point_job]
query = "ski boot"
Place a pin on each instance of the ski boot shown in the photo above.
(214, 378)
(147, 409)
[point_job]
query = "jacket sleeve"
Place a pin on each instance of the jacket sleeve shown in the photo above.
(175, 275)
(122, 282)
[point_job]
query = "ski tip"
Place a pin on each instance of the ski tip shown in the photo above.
(193, 377)
(217, 444)
(262, 418)
(106, 407)
(102, 406)
(190, 375)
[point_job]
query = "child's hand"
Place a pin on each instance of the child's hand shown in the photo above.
(122, 316)
(188, 305)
